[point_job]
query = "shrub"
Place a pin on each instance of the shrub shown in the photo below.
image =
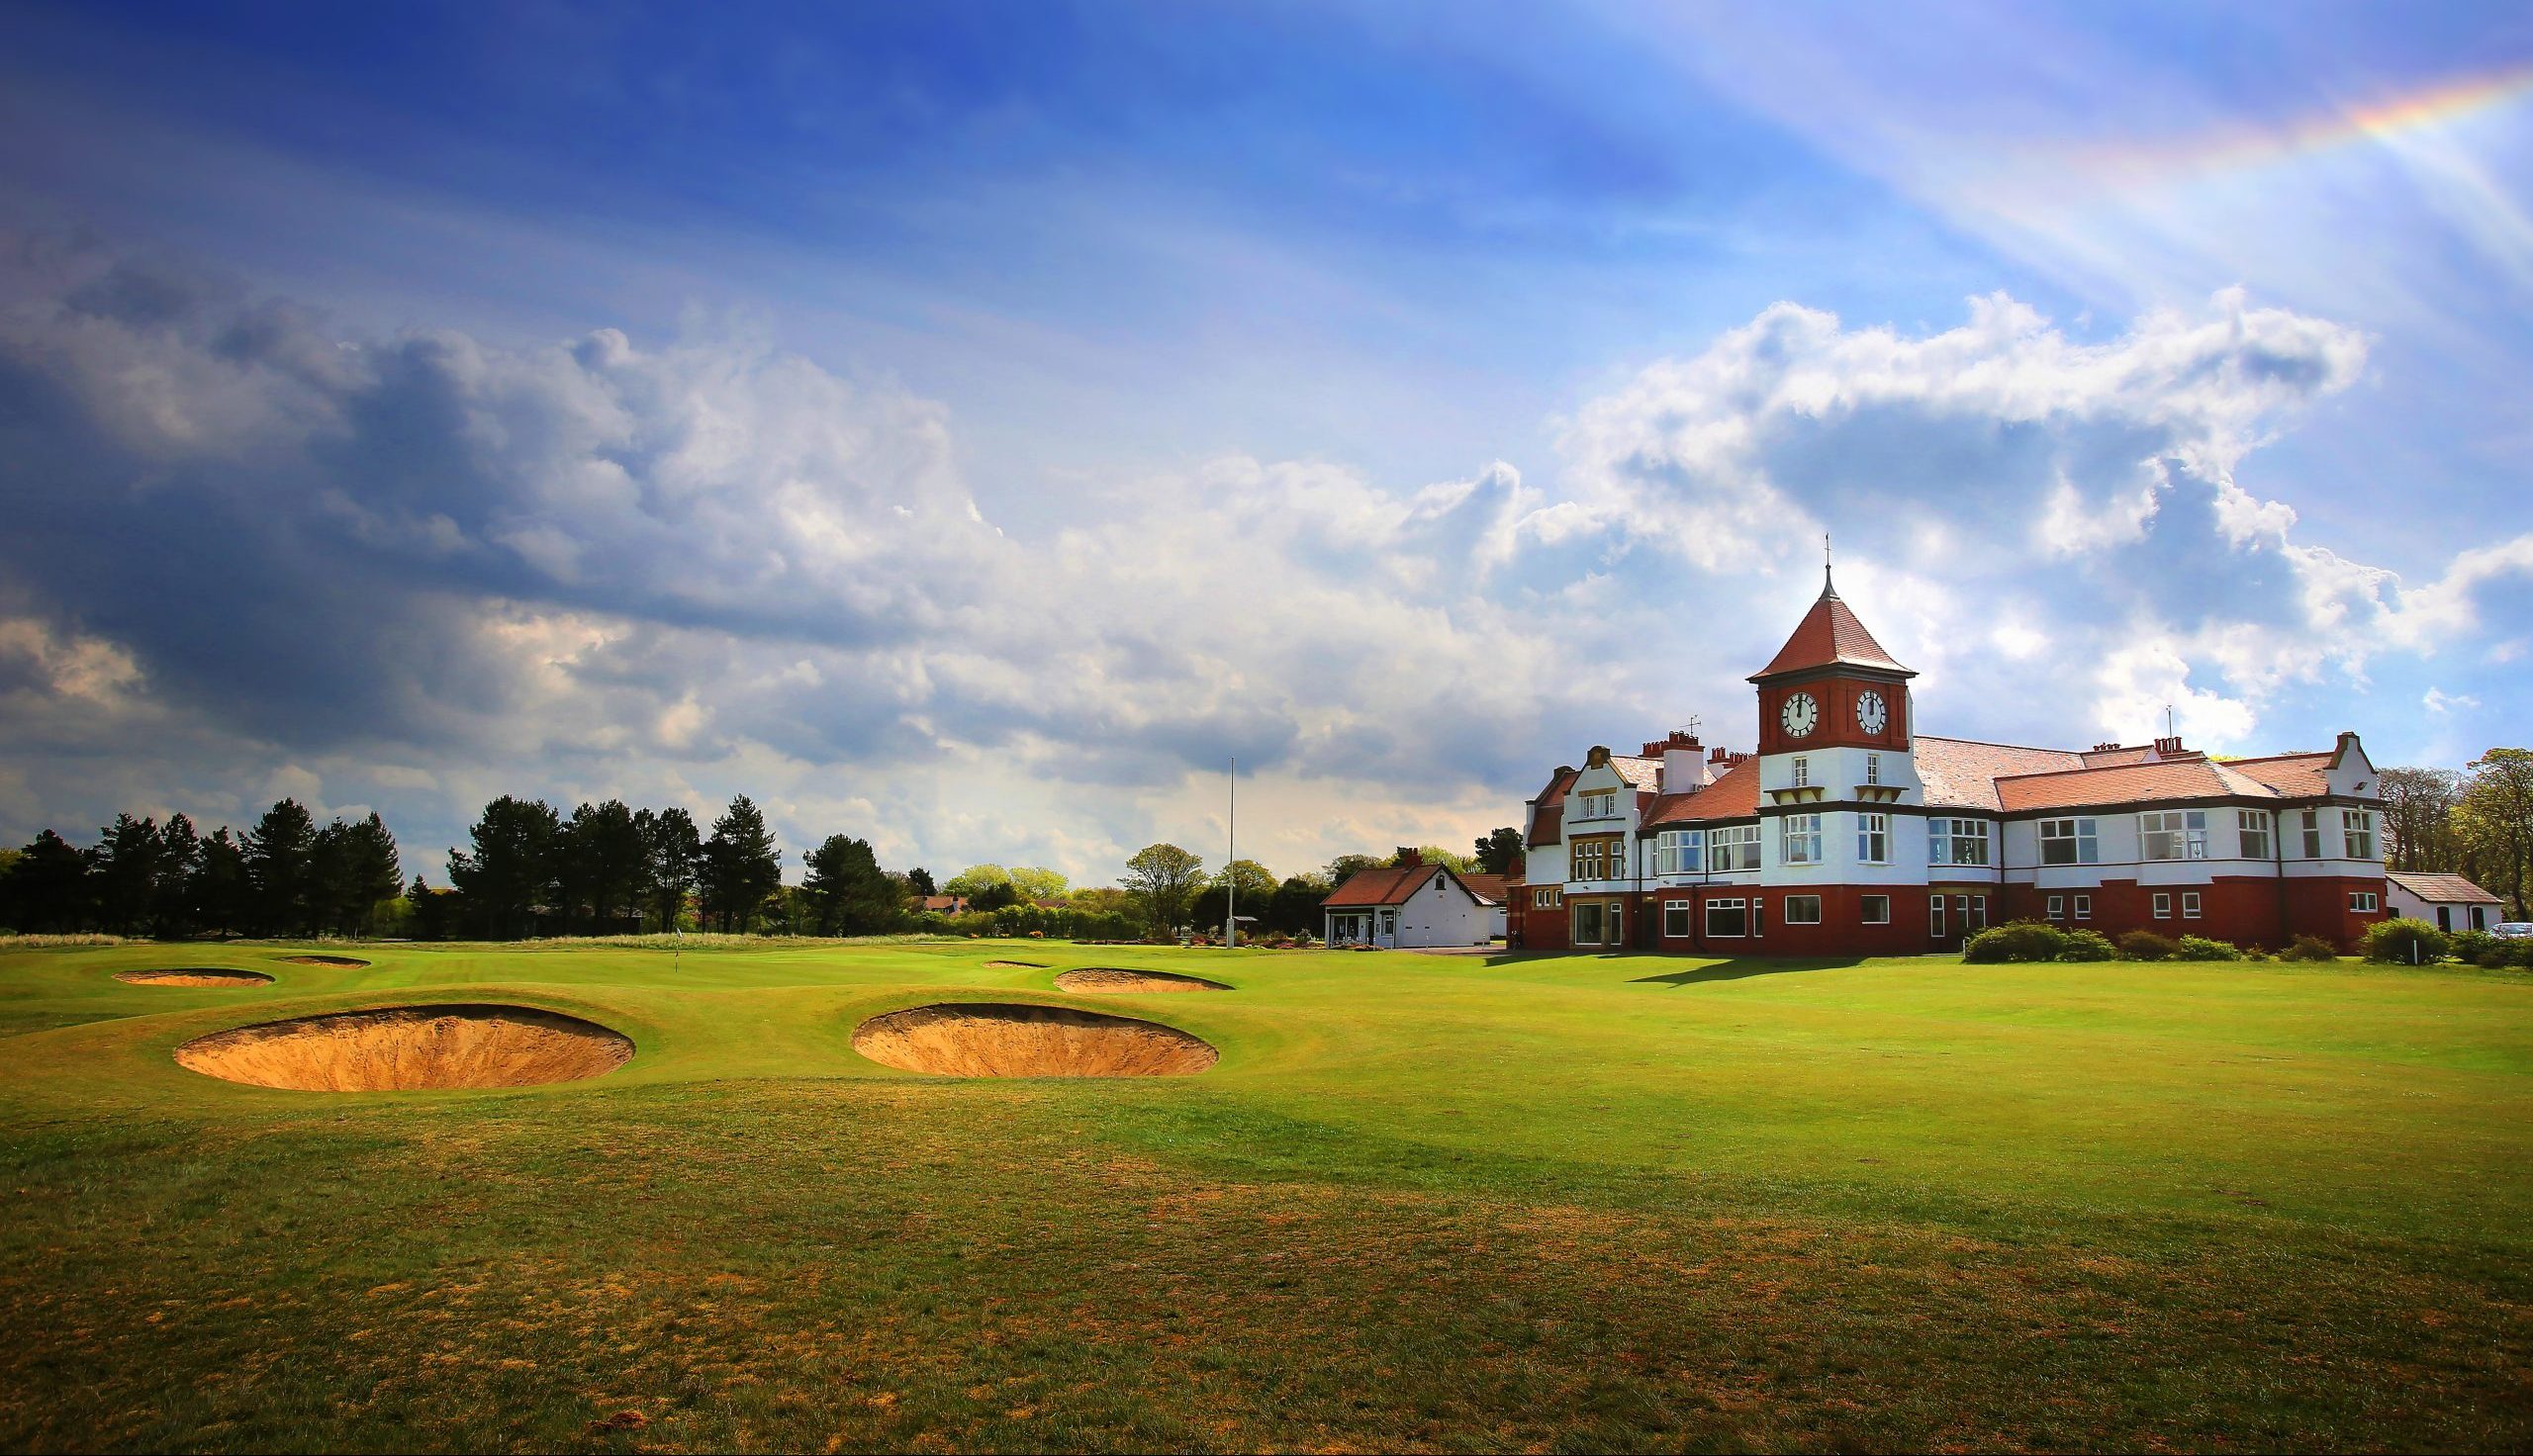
(2520, 954)
(2200, 948)
(2015, 940)
(2145, 945)
(2497, 958)
(2471, 944)
(2086, 945)
(2404, 942)
(2310, 948)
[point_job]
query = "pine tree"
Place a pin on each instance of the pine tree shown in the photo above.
(846, 891)
(220, 888)
(372, 870)
(510, 873)
(128, 855)
(741, 865)
(179, 861)
(672, 859)
(278, 851)
(49, 888)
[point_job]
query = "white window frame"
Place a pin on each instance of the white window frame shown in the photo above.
(1865, 909)
(2182, 831)
(1873, 768)
(2081, 840)
(1934, 917)
(1740, 907)
(2057, 908)
(2083, 907)
(1600, 921)
(2163, 904)
(1731, 848)
(2190, 904)
(2313, 834)
(1680, 851)
(1601, 803)
(1946, 838)
(2357, 834)
(1684, 912)
(1802, 771)
(2364, 902)
(1799, 840)
(1811, 902)
(1873, 838)
(2254, 827)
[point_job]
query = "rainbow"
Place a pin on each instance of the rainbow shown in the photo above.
(2240, 147)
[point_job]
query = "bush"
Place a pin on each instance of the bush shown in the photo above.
(2404, 942)
(2310, 948)
(2200, 948)
(2145, 945)
(2086, 945)
(2470, 945)
(2497, 958)
(2014, 940)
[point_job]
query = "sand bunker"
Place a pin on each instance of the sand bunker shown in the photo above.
(1109, 980)
(406, 1047)
(195, 976)
(1015, 965)
(341, 963)
(1001, 1040)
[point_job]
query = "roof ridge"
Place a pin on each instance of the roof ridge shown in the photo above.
(2030, 747)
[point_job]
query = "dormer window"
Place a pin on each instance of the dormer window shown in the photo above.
(1601, 805)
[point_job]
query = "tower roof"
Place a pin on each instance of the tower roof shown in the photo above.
(1829, 635)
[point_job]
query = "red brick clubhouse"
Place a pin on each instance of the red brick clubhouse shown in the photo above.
(1850, 833)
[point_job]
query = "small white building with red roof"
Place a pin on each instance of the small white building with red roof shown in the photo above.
(1848, 832)
(2447, 901)
(1414, 906)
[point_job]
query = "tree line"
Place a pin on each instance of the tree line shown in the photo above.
(2478, 823)
(286, 877)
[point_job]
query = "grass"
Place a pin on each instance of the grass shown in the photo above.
(1565, 1203)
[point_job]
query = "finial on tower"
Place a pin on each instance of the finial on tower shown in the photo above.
(1827, 587)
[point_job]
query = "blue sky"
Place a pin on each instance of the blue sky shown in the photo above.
(960, 424)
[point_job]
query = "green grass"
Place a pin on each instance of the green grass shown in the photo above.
(1574, 1202)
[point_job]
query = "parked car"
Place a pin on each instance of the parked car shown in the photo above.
(2513, 929)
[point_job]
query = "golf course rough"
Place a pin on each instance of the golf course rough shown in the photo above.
(195, 976)
(1110, 980)
(410, 1049)
(986, 1040)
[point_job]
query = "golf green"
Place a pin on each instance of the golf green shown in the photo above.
(1432, 1202)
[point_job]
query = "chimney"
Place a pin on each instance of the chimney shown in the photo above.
(1409, 857)
(2168, 747)
(2104, 748)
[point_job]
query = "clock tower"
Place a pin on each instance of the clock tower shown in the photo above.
(1833, 687)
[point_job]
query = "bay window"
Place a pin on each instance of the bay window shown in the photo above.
(1800, 840)
(1873, 837)
(1956, 840)
(2357, 834)
(1734, 847)
(1679, 851)
(2174, 834)
(2070, 842)
(2253, 826)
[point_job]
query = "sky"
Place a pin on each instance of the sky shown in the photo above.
(969, 427)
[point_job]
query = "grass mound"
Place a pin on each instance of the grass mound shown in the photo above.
(984, 1039)
(408, 1048)
(340, 963)
(1110, 980)
(195, 976)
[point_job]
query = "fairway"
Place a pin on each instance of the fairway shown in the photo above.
(1430, 1202)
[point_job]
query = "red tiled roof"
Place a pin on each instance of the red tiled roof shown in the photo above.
(1487, 887)
(1829, 634)
(1547, 819)
(2298, 775)
(2109, 758)
(2131, 783)
(2448, 889)
(1380, 886)
(1735, 795)
(1962, 775)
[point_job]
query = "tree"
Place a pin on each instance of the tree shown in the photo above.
(128, 856)
(278, 854)
(672, 861)
(1035, 882)
(49, 886)
(1345, 867)
(600, 859)
(1163, 879)
(2418, 818)
(1428, 855)
(976, 879)
(1213, 902)
(172, 898)
(741, 865)
(846, 891)
(429, 910)
(920, 882)
(220, 888)
(511, 870)
(1294, 907)
(2494, 823)
(1500, 852)
(329, 877)
(372, 872)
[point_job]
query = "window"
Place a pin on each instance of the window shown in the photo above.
(1802, 771)
(1736, 848)
(2070, 842)
(2083, 907)
(2252, 824)
(1587, 923)
(1603, 804)
(2174, 834)
(2313, 834)
(1675, 920)
(2357, 833)
(1956, 840)
(2445, 918)
(1758, 917)
(1547, 898)
(1974, 912)
(2163, 907)
(1803, 909)
(1874, 909)
(1598, 858)
(1934, 916)
(2057, 907)
(2190, 904)
(1726, 919)
(1873, 837)
(1873, 768)
(2479, 916)
(1680, 851)
(2363, 902)
(1800, 843)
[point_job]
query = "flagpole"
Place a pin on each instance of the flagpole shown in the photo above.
(1231, 865)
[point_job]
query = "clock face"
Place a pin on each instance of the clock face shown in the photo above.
(1801, 716)
(1871, 714)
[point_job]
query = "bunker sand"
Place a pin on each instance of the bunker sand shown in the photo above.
(195, 976)
(404, 1048)
(340, 963)
(1110, 980)
(1011, 1040)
